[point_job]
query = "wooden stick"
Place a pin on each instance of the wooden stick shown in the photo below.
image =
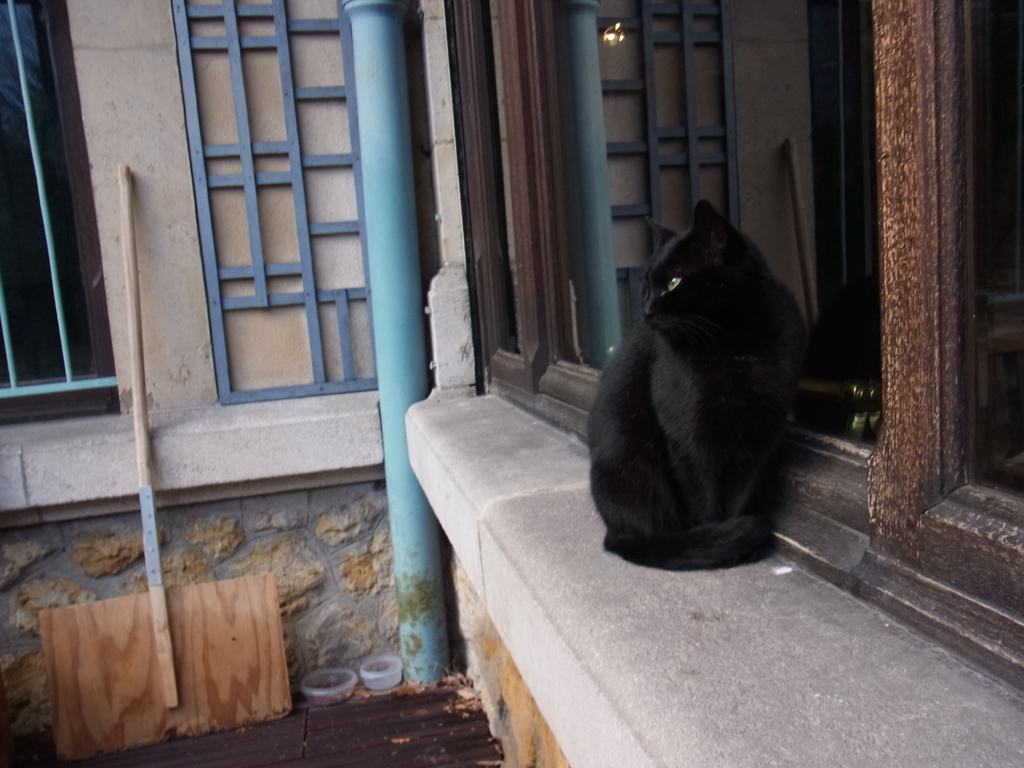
(807, 277)
(140, 412)
(143, 447)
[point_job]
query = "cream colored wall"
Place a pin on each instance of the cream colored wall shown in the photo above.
(773, 103)
(126, 59)
(127, 68)
(128, 77)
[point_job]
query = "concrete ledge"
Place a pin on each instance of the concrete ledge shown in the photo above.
(85, 461)
(754, 666)
(522, 456)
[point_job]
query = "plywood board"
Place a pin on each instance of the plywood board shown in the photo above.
(105, 687)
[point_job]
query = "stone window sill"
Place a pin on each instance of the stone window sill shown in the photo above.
(760, 665)
(62, 469)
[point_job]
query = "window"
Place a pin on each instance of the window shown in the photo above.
(908, 522)
(998, 254)
(57, 355)
(690, 112)
(273, 133)
(668, 82)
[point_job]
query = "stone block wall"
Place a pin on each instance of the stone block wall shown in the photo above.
(513, 716)
(329, 549)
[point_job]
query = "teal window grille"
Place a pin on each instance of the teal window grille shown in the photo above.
(227, 28)
(48, 330)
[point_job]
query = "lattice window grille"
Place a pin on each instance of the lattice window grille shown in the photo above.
(690, 34)
(249, 180)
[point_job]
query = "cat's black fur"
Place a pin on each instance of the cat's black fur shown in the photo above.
(690, 409)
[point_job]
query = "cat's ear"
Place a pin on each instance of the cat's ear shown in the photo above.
(706, 220)
(711, 230)
(660, 234)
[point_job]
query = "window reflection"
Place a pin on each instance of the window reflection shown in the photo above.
(769, 114)
(997, 106)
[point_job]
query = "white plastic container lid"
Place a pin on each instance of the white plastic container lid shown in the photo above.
(381, 673)
(328, 686)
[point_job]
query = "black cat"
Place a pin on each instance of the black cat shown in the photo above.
(690, 409)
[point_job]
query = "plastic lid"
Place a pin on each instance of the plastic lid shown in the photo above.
(381, 672)
(328, 685)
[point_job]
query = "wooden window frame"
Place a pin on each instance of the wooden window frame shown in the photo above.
(901, 525)
(543, 375)
(946, 554)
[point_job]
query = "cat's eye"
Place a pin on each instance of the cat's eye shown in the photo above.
(673, 284)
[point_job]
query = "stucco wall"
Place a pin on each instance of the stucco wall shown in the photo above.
(132, 110)
(126, 61)
(514, 718)
(127, 65)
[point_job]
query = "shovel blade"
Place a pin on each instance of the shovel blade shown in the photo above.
(106, 690)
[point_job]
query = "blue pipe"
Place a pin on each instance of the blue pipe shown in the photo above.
(600, 294)
(393, 256)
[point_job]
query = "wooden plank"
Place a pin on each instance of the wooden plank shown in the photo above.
(433, 727)
(276, 742)
(442, 746)
(922, 172)
(358, 712)
(106, 694)
(270, 743)
(232, 667)
(828, 475)
(6, 741)
(363, 735)
(972, 629)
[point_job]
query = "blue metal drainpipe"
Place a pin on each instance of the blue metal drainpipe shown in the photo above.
(393, 256)
(600, 293)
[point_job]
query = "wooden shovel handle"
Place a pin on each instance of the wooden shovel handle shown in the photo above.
(140, 412)
(164, 649)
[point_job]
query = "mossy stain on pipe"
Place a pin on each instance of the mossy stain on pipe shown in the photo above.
(417, 599)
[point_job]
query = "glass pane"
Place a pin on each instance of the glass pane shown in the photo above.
(502, 252)
(24, 263)
(841, 389)
(785, 151)
(997, 106)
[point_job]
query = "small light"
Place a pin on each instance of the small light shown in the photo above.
(614, 35)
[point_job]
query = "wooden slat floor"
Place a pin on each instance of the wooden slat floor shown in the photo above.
(432, 727)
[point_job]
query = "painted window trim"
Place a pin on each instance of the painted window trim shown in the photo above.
(311, 298)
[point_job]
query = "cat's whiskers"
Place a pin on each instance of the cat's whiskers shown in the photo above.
(701, 330)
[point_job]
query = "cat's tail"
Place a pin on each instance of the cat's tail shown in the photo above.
(735, 541)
